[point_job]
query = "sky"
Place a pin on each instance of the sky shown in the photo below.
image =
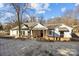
(46, 10)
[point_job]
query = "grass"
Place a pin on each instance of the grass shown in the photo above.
(28, 47)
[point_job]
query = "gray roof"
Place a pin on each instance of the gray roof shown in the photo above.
(22, 28)
(63, 29)
(30, 24)
(53, 26)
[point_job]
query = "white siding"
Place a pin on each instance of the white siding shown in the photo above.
(66, 34)
(16, 33)
(13, 33)
(26, 33)
(57, 33)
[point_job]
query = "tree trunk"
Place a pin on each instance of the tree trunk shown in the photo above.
(19, 23)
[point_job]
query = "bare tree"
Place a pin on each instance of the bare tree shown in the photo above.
(72, 15)
(19, 12)
(1, 26)
(17, 8)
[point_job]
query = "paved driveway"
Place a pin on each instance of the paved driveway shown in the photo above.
(12, 47)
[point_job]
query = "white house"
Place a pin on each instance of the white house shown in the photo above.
(60, 31)
(36, 29)
(15, 31)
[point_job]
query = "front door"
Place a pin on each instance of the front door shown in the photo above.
(61, 33)
(41, 33)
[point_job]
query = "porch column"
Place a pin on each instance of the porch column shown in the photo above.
(43, 33)
(31, 34)
(46, 33)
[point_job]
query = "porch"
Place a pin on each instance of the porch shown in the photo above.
(39, 34)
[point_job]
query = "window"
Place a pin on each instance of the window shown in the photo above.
(61, 33)
(50, 32)
(17, 32)
(23, 32)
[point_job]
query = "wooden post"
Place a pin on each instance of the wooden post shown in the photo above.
(31, 34)
(46, 34)
(43, 33)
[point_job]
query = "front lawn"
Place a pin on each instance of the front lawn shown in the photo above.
(14, 47)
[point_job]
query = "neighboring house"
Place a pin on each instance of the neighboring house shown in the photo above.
(59, 32)
(76, 31)
(3, 33)
(76, 28)
(15, 31)
(36, 29)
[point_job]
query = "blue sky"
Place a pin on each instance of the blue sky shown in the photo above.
(47, 10)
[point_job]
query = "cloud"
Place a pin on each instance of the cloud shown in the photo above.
(40, 7)
(46, 6)
(26, 16)
(8, 14)
(63, 9)
(52, 16)
(76, 4)
(1, 5)
(40, 12)
(3, 18)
